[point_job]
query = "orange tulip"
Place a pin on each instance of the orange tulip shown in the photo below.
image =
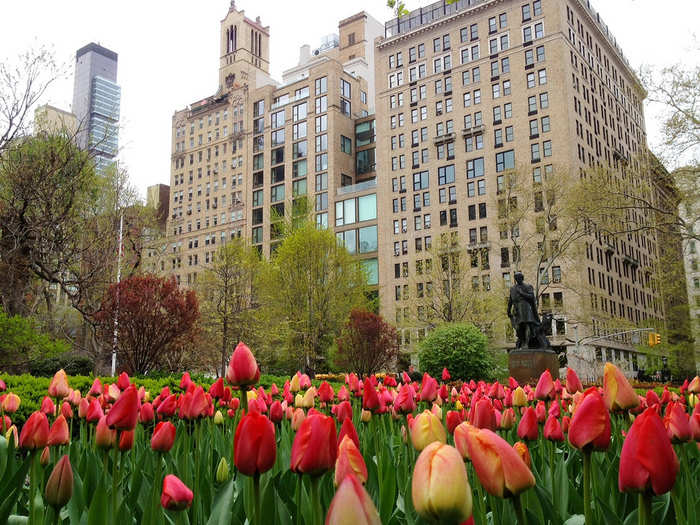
(521, 448)
(617, 391)
(440, 488)
(58, 388)
(11, 403)
(349, 462)
(694, 386)
(426, 428)
(647, 459)
(501, 470)
(351, 505)
(462, 436)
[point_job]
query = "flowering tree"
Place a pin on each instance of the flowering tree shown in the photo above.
(368, 343)
(155, 322)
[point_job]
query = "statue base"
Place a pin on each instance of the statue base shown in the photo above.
(526, 365)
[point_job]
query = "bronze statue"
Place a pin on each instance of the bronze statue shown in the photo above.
(522, 311)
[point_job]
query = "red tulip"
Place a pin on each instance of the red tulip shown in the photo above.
(176, 495)
(677, 423)
(5, 423)
(276, 412)
(343, 394)
(124, 413)
(694, 386)
(453, 419)
(343, 411)
(484, 415)
(348, 429)
(445, 374)
(96, 388)
(573, 383)
(545, 386)
(146, 414)
(105, 437)
(35, 432)
(94, 412)
(429, 387)
(194, 404)
(59, 486)
(186, 381)
(167, 408)
(254, 445)
(652, 398)
(541, 412)
(527, 428)
(370, 398)
(3, 386)
(315, 447)
(500, 469)
(552, 429)
(565, 422)
(695, 423)
(58, 388)
(349, 462)
(163, 437)
(242, 368)
(325, 392)
(352, 504)
(48, 407)
(59, 434)
(126, 440)
(647, 459)
(123, 381)
(66, 410)
(216, 390)
(590, 424)
(405, 400)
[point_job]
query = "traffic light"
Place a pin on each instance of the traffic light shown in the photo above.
(654, 339)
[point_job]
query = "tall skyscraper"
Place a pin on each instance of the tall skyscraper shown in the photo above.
(96, 99)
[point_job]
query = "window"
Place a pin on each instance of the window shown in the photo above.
(321, 85)
(529, 57)
(526, 12)
(368, 239)
(545, 124)
(532, 104)
(345, 145)
(497, 114)
(345, 106)
(345, 88)
(475, 168)
(322, 181)
(299, 130)
(446, 174)
(508, 110)
(534, 129)
(420, 180)
(530, 80)
(547, 148)
(537, 7)
(321, 104)
(299, 111)
(492, 24)
(321, 124)
(505, 161)
(535, 152)
(540, 53)
(542, 76)
(544, 100)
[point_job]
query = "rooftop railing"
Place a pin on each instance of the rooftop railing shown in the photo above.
(360, 186)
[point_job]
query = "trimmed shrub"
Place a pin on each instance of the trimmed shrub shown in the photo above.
(462, 348)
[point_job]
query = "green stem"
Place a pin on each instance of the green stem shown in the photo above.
(551, 470)
(115, 481)
(155, 500)
(519, 512)
(644, 508)
(297, 501)
(258, 499)
(244, 398)
(33, 475)
(587, 487)
(316, 501)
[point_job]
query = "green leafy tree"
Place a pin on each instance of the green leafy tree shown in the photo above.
(22, 343)
(462, 348)
(309, 287)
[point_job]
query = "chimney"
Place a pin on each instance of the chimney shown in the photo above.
(304, 54)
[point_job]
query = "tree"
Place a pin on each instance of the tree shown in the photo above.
(309, 288)
(21, 343)
(367, 345)
(446, 288)
(229, 297)
(460, 347)
(155, 321)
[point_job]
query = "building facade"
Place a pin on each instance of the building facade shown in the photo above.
(249, 155)
(401, 136)
(470, 90)
(96, 103)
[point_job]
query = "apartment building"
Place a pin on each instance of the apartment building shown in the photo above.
(470, 90)
(257, 149)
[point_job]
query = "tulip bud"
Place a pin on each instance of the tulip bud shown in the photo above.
(523, 452)
(298, 417)
(349, 462)
(35, 432)
(58, 388)
(545, 386)
(12, 434)
(242, 368)
(552, 429)
(255, 447)
(59, 486)
(527, 428)
(59, 433)
(163, 437)
(126, 440)
(440, 488)
(426, 428)
(519, 397)
(365, 416)
(437, 411)
(348, 429)
(617, 391)
(176, 495)
(352, 504)
(590, 424)
(276, 412)
(45, 457)
(125, 412)
(11, 403)
(222, 471)
(315, 447)
(105, 437)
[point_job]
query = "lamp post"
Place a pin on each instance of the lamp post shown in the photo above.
(119, 275)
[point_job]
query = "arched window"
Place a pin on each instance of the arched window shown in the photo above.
(234, 39)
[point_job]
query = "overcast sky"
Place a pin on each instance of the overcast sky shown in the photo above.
(168, 51)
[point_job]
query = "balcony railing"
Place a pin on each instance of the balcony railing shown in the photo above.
(360, 186)
(427, 15)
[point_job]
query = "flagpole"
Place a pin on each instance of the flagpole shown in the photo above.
(119, 275)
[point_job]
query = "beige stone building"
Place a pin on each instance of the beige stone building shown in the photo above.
(470, 90)
(399, 135)
(52, 119)
(256, 149)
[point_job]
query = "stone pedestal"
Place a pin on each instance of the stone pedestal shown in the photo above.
(527, 365)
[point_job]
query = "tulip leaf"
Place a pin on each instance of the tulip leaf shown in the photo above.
(14, 485)
(221, 512)
(17, 520)
(99, 505)
(4, 446)
(76, 505)
(576, 519)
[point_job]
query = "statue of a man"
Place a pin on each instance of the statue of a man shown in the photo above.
(522, 310)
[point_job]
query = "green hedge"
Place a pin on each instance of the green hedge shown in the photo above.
(32, 390)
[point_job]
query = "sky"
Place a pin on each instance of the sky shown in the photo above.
(169, 51)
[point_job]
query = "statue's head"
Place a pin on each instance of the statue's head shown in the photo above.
(519, 277)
